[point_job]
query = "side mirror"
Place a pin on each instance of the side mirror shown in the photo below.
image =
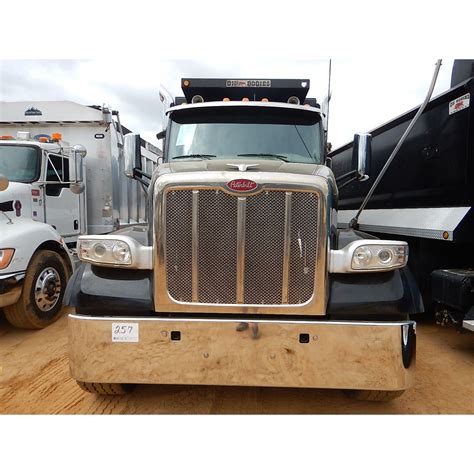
(161, 135)
(3, 182)
(76, 168)
(362, 155)
(132, 154)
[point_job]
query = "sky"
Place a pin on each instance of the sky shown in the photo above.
(365, 92)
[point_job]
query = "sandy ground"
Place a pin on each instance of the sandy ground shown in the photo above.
(34, 378)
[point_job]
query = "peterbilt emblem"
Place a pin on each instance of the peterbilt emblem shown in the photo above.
(242, 185)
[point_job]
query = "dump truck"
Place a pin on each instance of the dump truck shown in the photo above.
(426, 196)
(61, 176)
(241, 276)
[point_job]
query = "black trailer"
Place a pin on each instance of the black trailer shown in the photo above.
(426, 196)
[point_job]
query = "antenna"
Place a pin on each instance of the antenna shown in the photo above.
(328, 99)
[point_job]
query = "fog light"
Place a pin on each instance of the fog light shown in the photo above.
(362, 256)
(100, 250)
(121, 252)
(385, 256)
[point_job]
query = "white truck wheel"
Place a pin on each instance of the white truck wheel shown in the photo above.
(40, 303)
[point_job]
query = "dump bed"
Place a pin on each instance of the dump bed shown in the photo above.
(434, 167)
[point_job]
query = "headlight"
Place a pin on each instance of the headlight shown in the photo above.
(369, 256)
(6, 256)
(110, 251)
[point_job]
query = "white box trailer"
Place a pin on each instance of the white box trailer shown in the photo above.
(50, 193)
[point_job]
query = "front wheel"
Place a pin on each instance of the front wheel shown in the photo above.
(41, 298)
(375, 395)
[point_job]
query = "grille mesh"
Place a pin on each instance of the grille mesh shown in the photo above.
(264, 239)
(264, 247)
(217, 247)
(304, 226)
(178, 244)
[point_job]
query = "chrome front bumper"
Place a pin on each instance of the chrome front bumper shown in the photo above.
(345, 355)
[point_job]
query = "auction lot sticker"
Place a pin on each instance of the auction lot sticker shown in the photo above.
(125, 332)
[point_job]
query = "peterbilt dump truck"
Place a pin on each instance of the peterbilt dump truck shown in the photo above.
(242, 276)
(426, 197)
(52, 191)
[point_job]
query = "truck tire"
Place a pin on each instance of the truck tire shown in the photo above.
(105, 388)
(40, 303)
(375, 395)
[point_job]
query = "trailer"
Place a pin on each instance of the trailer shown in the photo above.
(242, 277)
(61, 176)
(426, 197)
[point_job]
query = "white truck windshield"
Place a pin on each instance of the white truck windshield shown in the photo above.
(19, 163)
(288, 135)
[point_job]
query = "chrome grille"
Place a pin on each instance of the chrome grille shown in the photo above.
(227, 249)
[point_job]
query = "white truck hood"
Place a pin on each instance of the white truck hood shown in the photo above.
(25, 236)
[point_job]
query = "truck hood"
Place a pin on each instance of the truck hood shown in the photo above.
(246, 164)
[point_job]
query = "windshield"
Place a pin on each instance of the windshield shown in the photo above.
(268, 133)
(19, 163)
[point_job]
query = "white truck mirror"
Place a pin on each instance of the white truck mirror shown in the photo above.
(132, 154)
(3, 182)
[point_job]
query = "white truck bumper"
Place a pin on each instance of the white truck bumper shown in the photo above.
(319, 354)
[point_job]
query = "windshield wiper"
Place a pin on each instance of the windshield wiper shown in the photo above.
(270, 155)
(203, 157)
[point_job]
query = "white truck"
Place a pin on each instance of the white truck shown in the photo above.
(50, 194)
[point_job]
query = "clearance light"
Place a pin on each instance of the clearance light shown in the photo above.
(294, 100)
(43, 140)
(265, 100)
(369, 256)
(186, 83)
(225, 99)
(56, 137)
(245, 99)
(6, 137)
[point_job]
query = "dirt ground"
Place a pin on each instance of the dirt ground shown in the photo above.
(34, 378)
